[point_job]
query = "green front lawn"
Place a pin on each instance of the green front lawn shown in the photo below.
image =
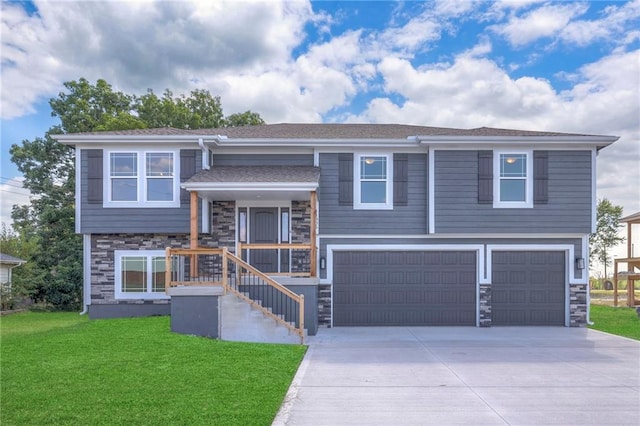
(61, 368)
(620, 321)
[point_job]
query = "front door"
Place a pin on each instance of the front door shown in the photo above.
(264, 230)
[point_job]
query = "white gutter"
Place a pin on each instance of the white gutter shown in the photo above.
(250, 186)
(271, 142)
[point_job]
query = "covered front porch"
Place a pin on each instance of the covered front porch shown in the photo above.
(266, 215)
(263, 222)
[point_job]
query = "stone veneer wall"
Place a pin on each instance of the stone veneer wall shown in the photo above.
(223, 223)
(223, 234)
(324, 305)
(577, 305)
(300, 233)
(485, 305)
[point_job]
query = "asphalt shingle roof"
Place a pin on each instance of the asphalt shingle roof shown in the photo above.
(283, 174)
(331, 131)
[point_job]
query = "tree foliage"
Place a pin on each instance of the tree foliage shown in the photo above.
(606, 235)
(48, 222)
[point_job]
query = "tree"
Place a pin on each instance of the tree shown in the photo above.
(48, 222)
(246, 118)
(606, 235)
(21, 246)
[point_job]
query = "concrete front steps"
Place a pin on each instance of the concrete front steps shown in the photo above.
(241, 322)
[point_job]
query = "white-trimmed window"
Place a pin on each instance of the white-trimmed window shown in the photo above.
(513, 179)
(142, 179)
(373, 182)
(140, 274)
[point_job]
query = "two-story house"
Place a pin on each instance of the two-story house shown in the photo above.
(395, 224)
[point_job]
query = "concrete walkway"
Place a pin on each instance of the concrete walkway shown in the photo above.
(465, 376)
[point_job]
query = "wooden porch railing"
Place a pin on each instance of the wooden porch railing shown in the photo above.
(287, 246)
(210, 267)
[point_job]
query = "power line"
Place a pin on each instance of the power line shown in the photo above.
(12, 192)
(13, 184)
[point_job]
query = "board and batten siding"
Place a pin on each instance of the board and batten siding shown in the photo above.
(96, 219)
(262, 160)
(568, 209)
(343, 219)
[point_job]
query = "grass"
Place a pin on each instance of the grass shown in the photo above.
(620, 321)
(61, 368)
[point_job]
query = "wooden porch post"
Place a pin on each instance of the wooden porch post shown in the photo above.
(314, 250)
(193, 241)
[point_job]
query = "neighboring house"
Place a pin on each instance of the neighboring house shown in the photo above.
(407, 225)
(7, 263)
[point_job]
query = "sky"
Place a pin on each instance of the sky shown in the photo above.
(566, 66)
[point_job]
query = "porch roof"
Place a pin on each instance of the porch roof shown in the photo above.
(255, 182)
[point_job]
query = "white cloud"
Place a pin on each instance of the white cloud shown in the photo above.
(473, 92)
(11, 193)
(610, 27)
(174, 45)
(545, 21)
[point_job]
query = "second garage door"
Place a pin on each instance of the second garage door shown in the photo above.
(404, 288)
(528, 288)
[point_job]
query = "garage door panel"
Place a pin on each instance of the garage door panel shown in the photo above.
(528, 288)
(404, 290)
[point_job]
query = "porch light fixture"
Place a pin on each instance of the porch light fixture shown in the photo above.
(323, 263)
(369, 161)
(580, 263)
(511, 160)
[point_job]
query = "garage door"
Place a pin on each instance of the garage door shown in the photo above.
(528, 288)
(404, 288)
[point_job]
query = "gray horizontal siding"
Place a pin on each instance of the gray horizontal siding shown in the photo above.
(262, 160)
(94, 219)
(337, 219)
(406, 244)
(456, 197)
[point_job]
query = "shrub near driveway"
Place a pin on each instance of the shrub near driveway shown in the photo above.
(64, 369)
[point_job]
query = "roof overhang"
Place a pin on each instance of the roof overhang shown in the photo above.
(542, 141)
(229, 191)
(597, 142)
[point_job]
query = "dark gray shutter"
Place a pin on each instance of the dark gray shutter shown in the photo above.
(94, 176)
(187, 169)
(400, 179)
(485, 177)
(540, 177)
(345, 179)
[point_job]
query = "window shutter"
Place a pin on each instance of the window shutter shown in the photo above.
(345, 179)
(400, 179)
(187, 169)
(485, 177)
(94, 176)
(540, 177)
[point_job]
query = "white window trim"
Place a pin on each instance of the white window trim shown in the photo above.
(528, 202)
(357, 205)
(142, 180)
(149, 255)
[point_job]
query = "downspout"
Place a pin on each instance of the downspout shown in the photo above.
(205, 154)
(86, 273)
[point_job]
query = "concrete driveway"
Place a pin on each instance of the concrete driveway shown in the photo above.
(465, 376)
